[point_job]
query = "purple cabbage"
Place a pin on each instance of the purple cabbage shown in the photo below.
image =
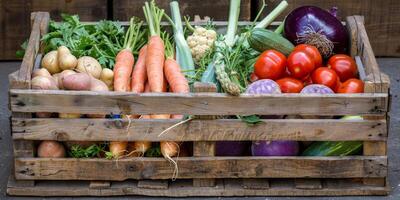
(275, 148)
(263, 86)
(317, 89)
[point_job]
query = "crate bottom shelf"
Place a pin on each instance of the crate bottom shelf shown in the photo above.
(184, 188)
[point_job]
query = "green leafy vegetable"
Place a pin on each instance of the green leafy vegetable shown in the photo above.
(20, 53)
(250, 119)
(92, 151)
(102, 40)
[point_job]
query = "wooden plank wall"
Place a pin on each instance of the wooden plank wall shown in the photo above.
(382, 19)
(15, 18)
(216, 9)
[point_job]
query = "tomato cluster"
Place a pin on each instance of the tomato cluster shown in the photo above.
(305, 66)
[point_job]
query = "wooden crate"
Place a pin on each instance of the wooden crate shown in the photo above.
(15, 22)
(204, 174)
(218, 10)
(381, 19)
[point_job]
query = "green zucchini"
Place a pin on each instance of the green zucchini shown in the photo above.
(263, 39)
(333, 148)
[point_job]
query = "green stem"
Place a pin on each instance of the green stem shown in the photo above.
(273, 15)
(176, 16)
(259, 13)
(279, 30)
(188, 25)
(234, 11)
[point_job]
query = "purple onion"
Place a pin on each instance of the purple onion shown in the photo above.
(263, 86)
(316, 89)
(317, 27)
(275, 148)
(231, 148)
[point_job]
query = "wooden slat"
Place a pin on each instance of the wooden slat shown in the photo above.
(153, 184)
(204, 148)
(201, 167)
(255, 183)
(195, 103)
(99, 184)
(198, 130)
(183, 189)
(308, 183)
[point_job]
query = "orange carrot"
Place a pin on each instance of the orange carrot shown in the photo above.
(123, 69)
(155, 63)
(177, 81)
(139, 74)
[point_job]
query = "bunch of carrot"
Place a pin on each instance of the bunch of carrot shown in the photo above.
(154, 70)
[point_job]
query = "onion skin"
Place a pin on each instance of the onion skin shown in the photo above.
(321, 21)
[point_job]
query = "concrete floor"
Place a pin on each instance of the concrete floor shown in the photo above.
(390, 66)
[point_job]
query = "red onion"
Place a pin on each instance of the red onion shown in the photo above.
(317, 27)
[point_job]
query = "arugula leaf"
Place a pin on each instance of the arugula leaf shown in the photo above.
(90, 152)
(250, 119)
(20, 53)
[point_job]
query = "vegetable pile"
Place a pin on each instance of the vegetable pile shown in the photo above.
(305, 54)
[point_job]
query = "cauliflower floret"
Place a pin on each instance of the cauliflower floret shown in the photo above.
(200, 42)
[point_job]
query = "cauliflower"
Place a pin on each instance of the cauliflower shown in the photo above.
(201, 41)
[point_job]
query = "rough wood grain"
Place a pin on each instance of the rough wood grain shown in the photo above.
(14, 16)
(99, 184)
(308, 183)
(381, 18)
(201, 167)
(184, 189)
(195, 103)
(217, 10)
(153, 184)
(255, 183)
(198, 130)
(201, 148)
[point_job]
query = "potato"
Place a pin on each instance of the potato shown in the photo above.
(44, 83)
(79, 81)
(97, 85)
(43, 115)
(51, 149)
(50, 62)
(87, 64)
(65, 59)
(69, 115)
(40, 72)
(59, 77)
(107, 76)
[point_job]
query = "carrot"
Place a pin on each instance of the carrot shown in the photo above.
(139, 74)
(155, 63)
(177, 81)
(155, 47)
(139, 148)
(123, 68)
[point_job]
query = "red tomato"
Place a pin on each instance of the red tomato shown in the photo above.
(338, 84)
(253, 77)
(270, 65)
(344, 66)
(352, 85)
(325, 76)
(307, 81)
(312, 51)
(290, 85)
(300, 64)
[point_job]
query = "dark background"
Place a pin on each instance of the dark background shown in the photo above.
(382, 17)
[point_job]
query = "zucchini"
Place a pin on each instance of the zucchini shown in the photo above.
(263, 39)
(333, 148)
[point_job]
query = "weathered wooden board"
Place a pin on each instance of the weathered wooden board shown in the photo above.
(181, 188)
(381, 19)
(198, 130)
(15, 18)
(201, 167)
(218, 10)
(197, 104)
